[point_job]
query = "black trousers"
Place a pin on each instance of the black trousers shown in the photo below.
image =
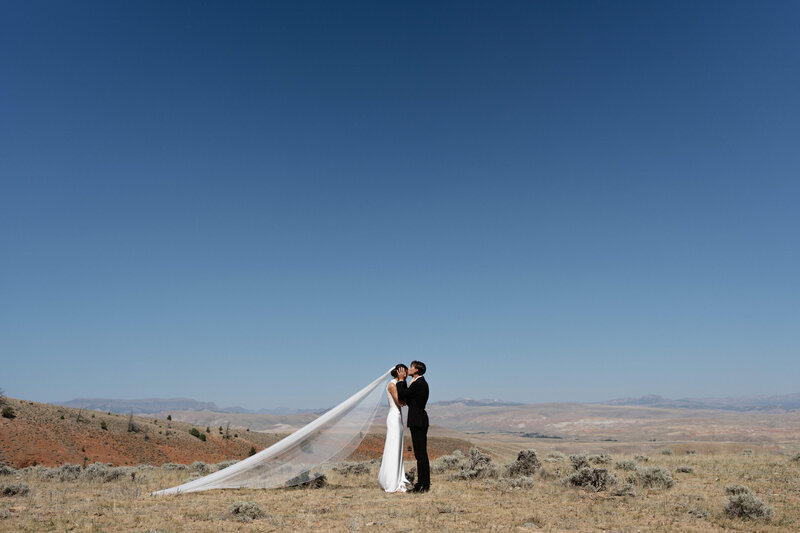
(419, 438)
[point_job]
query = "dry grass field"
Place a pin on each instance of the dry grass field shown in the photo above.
(354, 502)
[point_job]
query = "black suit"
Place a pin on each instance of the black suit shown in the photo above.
(415, 396)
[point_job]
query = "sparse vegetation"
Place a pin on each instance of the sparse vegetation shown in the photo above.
(8, 412)
(601, 459)
(742, 503)
(667, 451)
(353, 468)
(653, 477)
(317, 480)
(642, 458)
(7, 470)
(624, 489)
(684, 469)
(482, 504)
(554, 457)
(595, 479)
(579, 461)
(103, 425)
(245, 511)
(524, 482)
(747, 451)
(795, 458)
(626, 464)
(526, 465)
(103, 472)
(252, 451)
(448, 462)
(169, 417)
(14, 489)
(195, 433)
(736, 488)
(477, 465)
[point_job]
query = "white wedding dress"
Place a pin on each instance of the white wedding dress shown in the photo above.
(392, 477)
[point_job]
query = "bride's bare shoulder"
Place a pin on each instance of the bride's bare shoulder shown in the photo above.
(392, 385)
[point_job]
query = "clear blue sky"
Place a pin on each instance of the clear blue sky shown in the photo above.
(269, 204)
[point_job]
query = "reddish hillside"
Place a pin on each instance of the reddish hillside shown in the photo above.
(51, 435)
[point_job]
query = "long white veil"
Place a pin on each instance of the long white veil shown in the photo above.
(292, 460)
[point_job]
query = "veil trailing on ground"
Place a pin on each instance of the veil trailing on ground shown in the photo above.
(291, 461)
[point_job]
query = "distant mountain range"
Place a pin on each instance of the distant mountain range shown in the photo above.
(478, 403)
(785, 402)
(159, 405)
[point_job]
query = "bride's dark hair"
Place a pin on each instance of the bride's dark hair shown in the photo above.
(397, 367)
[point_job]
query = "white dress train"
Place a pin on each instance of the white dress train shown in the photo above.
(392, 477)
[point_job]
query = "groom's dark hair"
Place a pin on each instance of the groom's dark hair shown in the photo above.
(420, 366)
(393, 372)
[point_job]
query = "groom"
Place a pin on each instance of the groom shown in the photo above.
(415, 396)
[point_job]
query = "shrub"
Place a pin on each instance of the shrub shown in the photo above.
(65, 472)
(252, 451)
(691, 452)
(642, 458)
(625, 489)
(595, 479)
(601, 459)
(736, 488)
(15, 489)
(523, 482)
(526, 464)
(667, 451)
(449, 462)
(747, 505)
(174, 466)
(169, 417)
(103, 425)
(795, 458)
(199, 467)
(7, 470)
(478, 465)
(314, 481)
(245, 511)
(195, 433)
(352, 468)
(626, 464)
(554, 457)
(747, 451)
(684, 469)
(226, 464)
(8, 412)
(103, 472)
(653, 477)
(579, 461)
(411, 475)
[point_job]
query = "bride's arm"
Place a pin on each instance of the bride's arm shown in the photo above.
(393, 392)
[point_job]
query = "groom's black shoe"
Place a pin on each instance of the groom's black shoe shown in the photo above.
(419, 489)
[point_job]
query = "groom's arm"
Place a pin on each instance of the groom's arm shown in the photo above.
(402, 391)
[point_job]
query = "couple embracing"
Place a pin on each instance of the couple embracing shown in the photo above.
(392, 476)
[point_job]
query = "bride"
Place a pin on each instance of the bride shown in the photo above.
(392, 477)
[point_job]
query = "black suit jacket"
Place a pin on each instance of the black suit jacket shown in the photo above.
(415, 397)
